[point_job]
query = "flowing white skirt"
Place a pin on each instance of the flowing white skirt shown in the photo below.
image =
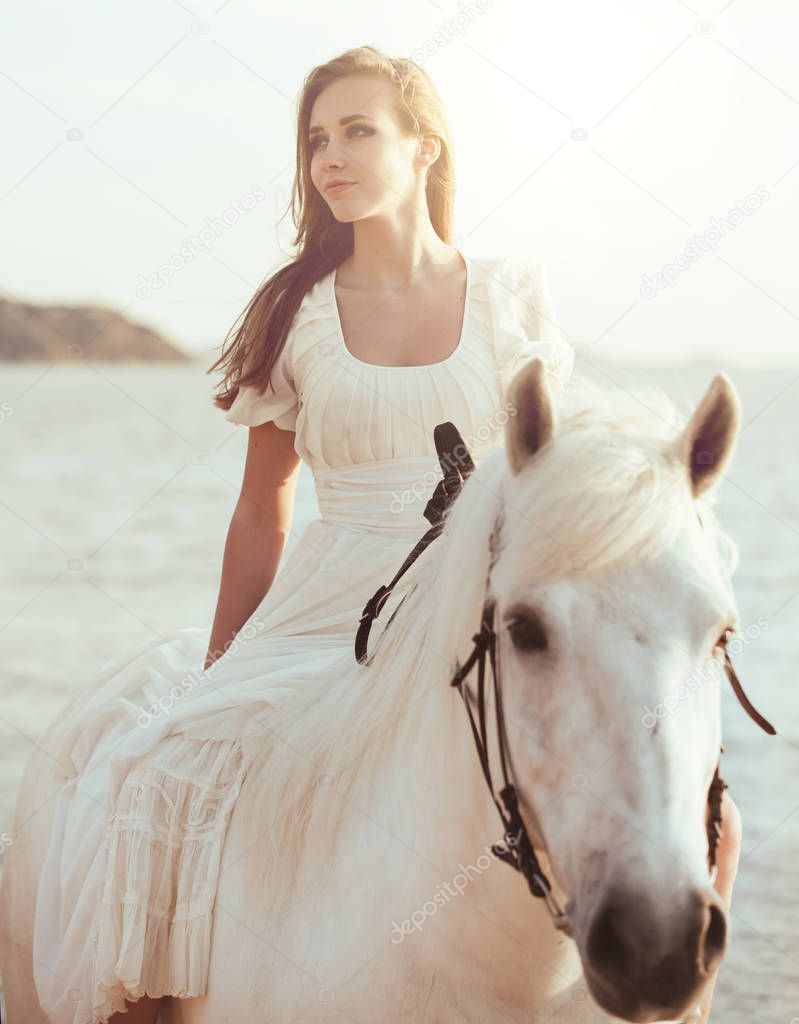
(153, 756)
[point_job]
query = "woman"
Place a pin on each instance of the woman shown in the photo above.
(376, 332)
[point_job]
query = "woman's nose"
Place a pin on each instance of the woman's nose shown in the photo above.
(331, 158)
(332, 154)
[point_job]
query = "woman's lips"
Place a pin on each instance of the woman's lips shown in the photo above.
(334, 190)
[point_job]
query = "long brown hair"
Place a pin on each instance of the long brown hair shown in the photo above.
(256, 339)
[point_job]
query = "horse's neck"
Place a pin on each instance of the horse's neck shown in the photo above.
(426, 789)
(426, 785)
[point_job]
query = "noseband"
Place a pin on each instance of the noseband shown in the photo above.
(515, 849)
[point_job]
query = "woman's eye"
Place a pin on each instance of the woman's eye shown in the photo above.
(527, 633)
(353, 128)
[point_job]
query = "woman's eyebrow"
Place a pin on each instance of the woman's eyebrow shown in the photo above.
(314, 129)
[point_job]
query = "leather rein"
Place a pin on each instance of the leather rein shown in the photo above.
(516, 848)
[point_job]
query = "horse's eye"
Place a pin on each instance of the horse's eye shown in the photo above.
(527, 633)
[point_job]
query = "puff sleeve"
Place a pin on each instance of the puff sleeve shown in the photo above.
(278, 403)
(524, 319)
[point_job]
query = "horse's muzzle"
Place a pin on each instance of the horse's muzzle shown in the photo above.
(645, 962)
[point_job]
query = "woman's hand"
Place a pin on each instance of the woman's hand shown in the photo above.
(727, 853)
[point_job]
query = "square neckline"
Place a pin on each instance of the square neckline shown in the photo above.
(408, 366)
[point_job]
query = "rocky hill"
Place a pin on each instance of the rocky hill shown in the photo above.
(28, 331)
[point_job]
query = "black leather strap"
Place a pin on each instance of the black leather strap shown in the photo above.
(456, 465)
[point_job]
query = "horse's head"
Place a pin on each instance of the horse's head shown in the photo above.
(612, 598)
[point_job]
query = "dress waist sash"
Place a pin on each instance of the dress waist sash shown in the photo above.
(383, 496)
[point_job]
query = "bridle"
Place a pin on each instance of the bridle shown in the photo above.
(516, 848)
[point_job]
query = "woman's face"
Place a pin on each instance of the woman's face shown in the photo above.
(369, 149)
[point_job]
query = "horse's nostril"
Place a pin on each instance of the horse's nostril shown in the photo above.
(715, 937)
(607, 949)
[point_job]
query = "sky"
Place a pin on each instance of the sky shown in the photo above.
(648, 154)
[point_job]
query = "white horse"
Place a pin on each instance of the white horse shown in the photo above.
(357, 880)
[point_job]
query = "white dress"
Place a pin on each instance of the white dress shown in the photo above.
(153, 751)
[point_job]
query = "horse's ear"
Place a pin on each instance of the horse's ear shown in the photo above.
(707, 443)
(532, 422)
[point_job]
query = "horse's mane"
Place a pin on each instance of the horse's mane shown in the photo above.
(338, 727)
(609, 487)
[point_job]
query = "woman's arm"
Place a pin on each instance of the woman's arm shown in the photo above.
(257, 534)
